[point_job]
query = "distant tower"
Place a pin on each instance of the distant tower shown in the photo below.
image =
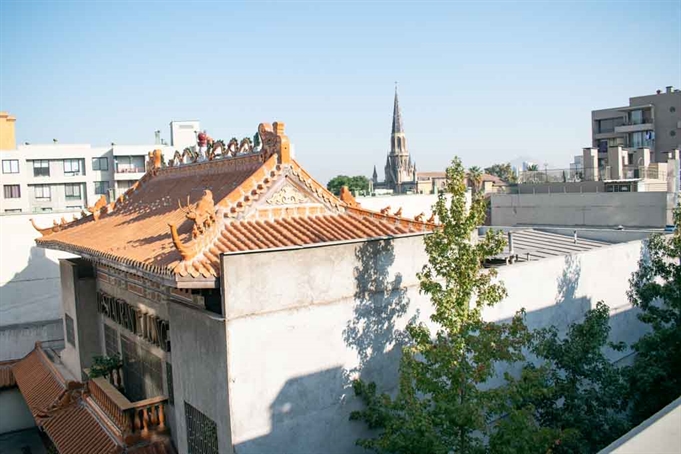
(374, 177)
(400, 173)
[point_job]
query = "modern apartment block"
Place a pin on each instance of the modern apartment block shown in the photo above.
(66, 177)
(651, 121)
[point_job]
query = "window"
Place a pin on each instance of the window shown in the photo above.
(12, 191)
(110, 341)
(672, 109)
(130, 164)
(70, 333)
(101, 187)
(72, 167)
(42, 191)
(100, 163)
(74, 207)
(72, 191)
(142, 371)
(10, 166)
(13, 210)
(202, 432)
(41, 168)
(46, 209)
(609, 124)
(169, 380)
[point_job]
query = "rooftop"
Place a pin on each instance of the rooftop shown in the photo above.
(531, 244)
(177, 220)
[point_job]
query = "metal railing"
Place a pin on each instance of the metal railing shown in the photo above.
(130, 169)
(550, 176)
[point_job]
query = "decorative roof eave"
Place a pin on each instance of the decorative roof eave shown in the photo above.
(154, 273)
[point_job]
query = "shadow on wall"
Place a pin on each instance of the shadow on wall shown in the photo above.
(311, 412)
(33, 293)
(380, 300)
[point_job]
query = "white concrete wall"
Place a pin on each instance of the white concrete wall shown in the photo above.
(411, 204)
(298, 333)
(637, 209)
(15, 413)
(199, 358)
(29, 275)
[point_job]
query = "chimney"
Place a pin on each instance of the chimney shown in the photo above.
(669, 89)
(157, 137)
(8, 140)
(658, 91)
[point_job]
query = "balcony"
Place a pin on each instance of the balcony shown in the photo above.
(645, 125)
(129, 173)
(131, 422)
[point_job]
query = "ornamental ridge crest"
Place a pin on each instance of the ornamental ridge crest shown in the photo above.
(288, 195)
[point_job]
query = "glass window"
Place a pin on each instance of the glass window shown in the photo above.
(130, 164)
(636, 117)
(13, 210)
(41, 168)
(72, 167)
(10, 166)
(12, 191)
(70, 333)
(72, 191)
(110, 341)
(100, 163)
(42, 191)
(169, 380)
(101, 187)
(202, 432)
(142, 371)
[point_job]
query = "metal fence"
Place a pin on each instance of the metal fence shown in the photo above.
(600, 174)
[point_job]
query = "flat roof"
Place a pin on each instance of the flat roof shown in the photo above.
(531, 245)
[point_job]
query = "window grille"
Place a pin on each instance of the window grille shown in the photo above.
(202, 432)
(70, 333)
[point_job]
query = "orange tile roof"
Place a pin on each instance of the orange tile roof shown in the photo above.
(6, 376)
(57, 408)
(258, 200)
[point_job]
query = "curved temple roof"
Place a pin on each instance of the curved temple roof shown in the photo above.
(177, 220)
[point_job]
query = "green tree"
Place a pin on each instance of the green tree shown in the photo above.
(439, 406)
(533, 168)
(573, 390)
(475, 178)
(503, 171)
(655, 377)
(358, 184)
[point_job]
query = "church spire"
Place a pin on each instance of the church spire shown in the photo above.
(397, 116)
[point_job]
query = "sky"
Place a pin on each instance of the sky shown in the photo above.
(486, 81)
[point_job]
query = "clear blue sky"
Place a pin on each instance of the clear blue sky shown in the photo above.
(488, 81)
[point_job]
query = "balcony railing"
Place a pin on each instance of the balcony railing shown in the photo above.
(130, 170)
(134, 421)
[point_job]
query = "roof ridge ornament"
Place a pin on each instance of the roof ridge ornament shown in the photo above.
(274, 141)
(203, 214)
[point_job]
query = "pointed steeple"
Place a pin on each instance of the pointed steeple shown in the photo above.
(397, 117)
(374, 177)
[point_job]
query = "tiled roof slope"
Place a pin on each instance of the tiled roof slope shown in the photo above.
(57, 408)
(178, 219)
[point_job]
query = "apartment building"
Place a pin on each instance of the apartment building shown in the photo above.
(69, 177)
(650, 121)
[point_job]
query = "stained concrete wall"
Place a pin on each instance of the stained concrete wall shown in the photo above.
(17, 341)
(636, 209)
(298, 333)
(15, 413)
(199, 358)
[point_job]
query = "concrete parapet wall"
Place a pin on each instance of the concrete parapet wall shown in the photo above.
(636, 209)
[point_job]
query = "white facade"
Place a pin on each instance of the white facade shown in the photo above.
(69, 177)
(183, 133)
